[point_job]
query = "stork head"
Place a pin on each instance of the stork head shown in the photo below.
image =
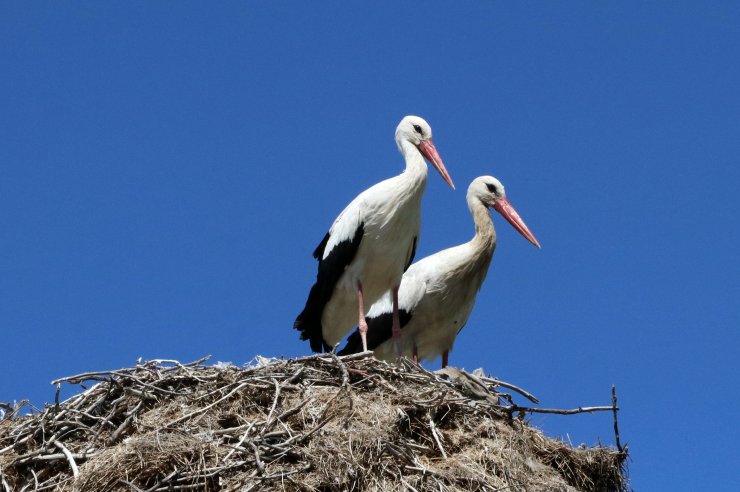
(416, 131)
(490, 191)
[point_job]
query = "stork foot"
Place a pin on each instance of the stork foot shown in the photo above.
(362, 328)
(361, 323)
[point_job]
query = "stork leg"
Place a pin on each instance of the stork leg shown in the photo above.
(362, 324)
(396, 317)
(445, 356)
(416, 354)
(396, 327)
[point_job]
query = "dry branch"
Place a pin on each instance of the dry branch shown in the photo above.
(572, 411)
(616, 425)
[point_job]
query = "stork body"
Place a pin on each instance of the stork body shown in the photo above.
(370, 244)
(437, 294)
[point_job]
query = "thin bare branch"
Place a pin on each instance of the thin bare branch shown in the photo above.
(497, 382)
(614, 410)
(208, 407)
(433, 428)
(70, 458)
(572, 411)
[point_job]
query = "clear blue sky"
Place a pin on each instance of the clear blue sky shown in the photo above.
(166, 169)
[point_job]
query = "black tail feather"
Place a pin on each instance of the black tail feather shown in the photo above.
(309, 321)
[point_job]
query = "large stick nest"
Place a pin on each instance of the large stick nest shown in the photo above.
(315, 423)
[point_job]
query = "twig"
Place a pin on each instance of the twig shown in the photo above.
(35, 480)
(424, 471)
(195, 486)
(260, 465)
(614, 409)
(304, 437)
(294, 377)
(125, 424)
(17, 443)
(177, 363)
(408, 485)
(56, 397)
(166, 479)
(70, 458)
(497, 382)
(357, 356)
(198, 362)
(381, 380)
(436, 437)
(134, 487)
(241, 441)
(201, 410)
(516, 408)
(292, 411)
(284, 474)
(268, 421)
(85, 376)
(342, 367)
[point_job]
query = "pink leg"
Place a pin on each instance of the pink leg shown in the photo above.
(362, 324)
(396, 327)
(416, 355)
(445, 355)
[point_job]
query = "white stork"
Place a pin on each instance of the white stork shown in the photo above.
(437, 293)
(369, 246)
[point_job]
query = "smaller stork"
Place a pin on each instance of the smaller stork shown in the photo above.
(437, 293)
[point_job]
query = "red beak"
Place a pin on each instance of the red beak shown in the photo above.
(429, 151)
(505, 208)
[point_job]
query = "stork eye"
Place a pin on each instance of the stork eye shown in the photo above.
(418, 129)
(492, 188)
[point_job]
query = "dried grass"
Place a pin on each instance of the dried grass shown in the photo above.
(319, 423)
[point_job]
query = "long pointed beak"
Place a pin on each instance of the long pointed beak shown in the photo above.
(506, 209)
(429, 151)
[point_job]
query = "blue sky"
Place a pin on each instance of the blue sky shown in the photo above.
(166, 170)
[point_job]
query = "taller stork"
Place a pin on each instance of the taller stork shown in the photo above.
(370, 245)
(438, 293)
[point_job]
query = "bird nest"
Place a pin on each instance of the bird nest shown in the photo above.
(314, 423)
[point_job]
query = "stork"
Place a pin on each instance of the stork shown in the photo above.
(370, 245)
(437, 293)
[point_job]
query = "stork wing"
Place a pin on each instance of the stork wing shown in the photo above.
(335, 252)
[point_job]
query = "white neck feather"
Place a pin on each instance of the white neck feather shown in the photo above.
(485, 234)
(416, 168)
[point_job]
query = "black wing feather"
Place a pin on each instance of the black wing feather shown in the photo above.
(330, 269)
(319, 251)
